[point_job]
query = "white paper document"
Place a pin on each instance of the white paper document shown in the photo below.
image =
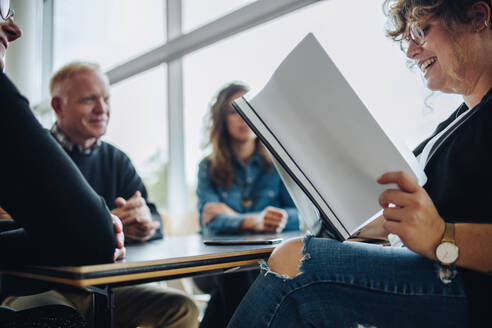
(324, 137)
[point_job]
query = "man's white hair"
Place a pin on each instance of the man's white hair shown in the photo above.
(65, 73)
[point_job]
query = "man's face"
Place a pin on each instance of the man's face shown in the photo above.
(84, 107)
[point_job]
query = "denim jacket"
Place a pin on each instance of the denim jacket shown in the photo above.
(263, 187)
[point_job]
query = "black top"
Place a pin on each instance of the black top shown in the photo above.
(60, 218)
(459, 183)
(111, 173)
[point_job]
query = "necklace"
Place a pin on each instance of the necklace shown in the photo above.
(245, 177)
(246, 203)
(245, 188)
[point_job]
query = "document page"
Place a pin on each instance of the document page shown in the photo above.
(331, 136)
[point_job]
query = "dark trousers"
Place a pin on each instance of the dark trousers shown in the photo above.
(227, 291)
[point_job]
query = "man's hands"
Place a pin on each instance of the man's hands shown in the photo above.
(414, 218)
(271, 219)
(211, 210)
(119, 251)
(136, 218)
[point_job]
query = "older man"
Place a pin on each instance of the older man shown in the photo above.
(80, 99)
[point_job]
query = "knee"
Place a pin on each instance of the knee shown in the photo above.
(286, 258)
(188, 308)
(181, 311)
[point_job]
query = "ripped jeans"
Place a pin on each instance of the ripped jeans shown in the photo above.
(356, 285)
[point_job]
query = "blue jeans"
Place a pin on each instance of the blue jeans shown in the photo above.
(356, 285)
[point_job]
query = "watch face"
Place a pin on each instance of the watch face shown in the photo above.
(447, 253)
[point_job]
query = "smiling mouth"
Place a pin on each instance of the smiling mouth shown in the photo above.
(427, 64)
(97, 122)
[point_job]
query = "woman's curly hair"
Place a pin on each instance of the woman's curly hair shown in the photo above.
(400, 12)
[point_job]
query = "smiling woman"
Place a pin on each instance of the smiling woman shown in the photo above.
(320, 282)
(441, 44)
(238, 191)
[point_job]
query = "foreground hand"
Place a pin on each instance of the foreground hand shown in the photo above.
(136, 218)
(414, 218)
(211, 210)
(4, 215)
(271, 219)
(120, 250)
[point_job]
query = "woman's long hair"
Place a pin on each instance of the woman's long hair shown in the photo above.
(221, 170)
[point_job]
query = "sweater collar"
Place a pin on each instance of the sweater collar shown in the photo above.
(70, 146)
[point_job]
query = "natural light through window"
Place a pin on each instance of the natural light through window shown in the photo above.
(198, 12)
(138, 126)
(108, 32)
(354, 39)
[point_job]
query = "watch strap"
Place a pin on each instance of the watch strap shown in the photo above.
(448, 233)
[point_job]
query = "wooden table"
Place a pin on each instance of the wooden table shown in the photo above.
(170, 258)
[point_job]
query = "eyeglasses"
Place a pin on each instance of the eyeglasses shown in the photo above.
(5, 11)
(415, 34)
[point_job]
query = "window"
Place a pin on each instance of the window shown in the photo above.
(198, 12)
(119, 30)
(107, 32)
(354, 39)
(138, 126)
(111, 32)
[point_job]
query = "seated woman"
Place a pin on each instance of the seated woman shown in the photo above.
(442, 277)
(238, 188)
(238, 191)
(55, 210)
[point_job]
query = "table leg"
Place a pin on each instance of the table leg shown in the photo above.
(103, 307)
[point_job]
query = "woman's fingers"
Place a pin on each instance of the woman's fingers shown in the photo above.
(400, 178)
(395, 197)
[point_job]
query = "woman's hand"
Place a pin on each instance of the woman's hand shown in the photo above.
(211, 210)
(271, 219)
(413, 216)
(120, 250)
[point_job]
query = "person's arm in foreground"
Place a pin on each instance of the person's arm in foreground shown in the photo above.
(63, 220)
(420, 227)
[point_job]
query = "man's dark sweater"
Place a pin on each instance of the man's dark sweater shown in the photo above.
(111, 174)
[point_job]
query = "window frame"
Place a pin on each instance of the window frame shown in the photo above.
(171, 52)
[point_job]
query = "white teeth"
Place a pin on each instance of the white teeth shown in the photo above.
(427, 63)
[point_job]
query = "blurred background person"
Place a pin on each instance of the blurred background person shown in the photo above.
(238, 191)
(238, 187)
